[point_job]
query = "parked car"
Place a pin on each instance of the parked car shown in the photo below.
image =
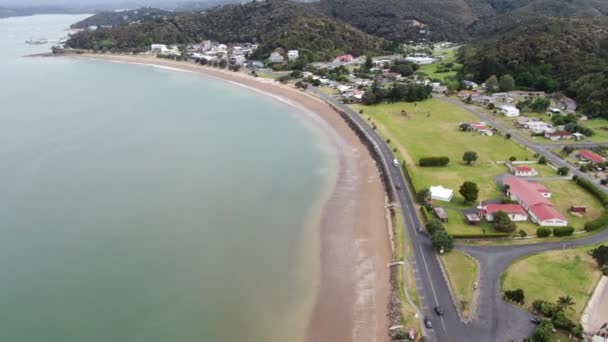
(439, 311)
(536, 320)
(427, 322)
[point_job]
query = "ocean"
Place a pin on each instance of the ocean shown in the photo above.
(142, 204)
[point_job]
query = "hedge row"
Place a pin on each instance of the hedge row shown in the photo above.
(593, 190)
(543, 232)
(598, 223)
(434, 161)
(563, 231)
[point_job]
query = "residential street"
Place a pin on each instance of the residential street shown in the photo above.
(495, 319)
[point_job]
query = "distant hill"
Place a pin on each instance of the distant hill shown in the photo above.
(567, 54)
(124, 17)
(272, 24)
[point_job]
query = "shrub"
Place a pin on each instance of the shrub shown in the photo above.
(433, 161)
(434, 225)
(560, 321)
(598, 223)
(516, 296)
(512, 158)
(542, 160)
(593, 190)
(522, 234)
(563, 231)
(543, 232)
(547, 309)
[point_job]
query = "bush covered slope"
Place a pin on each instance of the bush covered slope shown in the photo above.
(272, 24)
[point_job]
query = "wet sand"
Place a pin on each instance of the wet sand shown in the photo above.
(353, 289)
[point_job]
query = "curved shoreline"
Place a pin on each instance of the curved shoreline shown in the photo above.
(353, 289)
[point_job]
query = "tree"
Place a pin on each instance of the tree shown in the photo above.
(503, 223)
(434, 225)
(469, 191)
(506, 83)
(492, 84)
(369, 63)
(441, 240)
(563, 171)
(565, 302)
(469, 157)
(223, 64)
(508, 136)
(600, 255)
(542, 160)
(543, 333)
(423, 195)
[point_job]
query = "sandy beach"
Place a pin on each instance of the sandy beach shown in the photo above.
(353, 291)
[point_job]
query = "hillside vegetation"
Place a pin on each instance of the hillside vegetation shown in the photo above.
(569, 55)
(272, 24)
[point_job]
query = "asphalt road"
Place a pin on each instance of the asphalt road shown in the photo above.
(495, 321)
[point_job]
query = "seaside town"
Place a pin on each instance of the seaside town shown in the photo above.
(496, 186)
(499, 162)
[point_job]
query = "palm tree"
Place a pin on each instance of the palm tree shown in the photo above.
(566, 302)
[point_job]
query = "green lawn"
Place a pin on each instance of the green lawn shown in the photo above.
(449, 57)
(565, 194)
(431, 129)
(462, 273)
(600, 127)
(549, 275)
(328, 90)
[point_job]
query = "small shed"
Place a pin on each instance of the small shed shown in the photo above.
(441, 214)
(473, 219)
(581, 209)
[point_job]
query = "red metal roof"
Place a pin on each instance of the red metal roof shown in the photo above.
(527, 192)
(591, 156)
(506, 208)
(546, 212)
(523, 169)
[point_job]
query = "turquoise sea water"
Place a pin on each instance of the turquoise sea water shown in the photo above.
(140, 204)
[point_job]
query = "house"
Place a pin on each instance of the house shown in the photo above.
(534, 198)
(515, 211)
(482, 99)
(539, 127)
(158, 48)
(237, 60)
(558, 135)
(255, 64)
(464, 94)
(523, 171)
(438, 88)
(420, 60)
(293, 55)
(276, 57)
(441, 214)
(440, 193)
(509, 110)
(343, 59)
(470, 84)
(589, 156)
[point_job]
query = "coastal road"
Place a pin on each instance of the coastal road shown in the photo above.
(433, 290)
(541, 149)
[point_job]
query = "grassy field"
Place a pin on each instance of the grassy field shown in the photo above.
(462, 273)
(328, 90)
(449, 57)
(565, 194)
(401, 245)
(549, 275)
(600, 127)
(430, 128)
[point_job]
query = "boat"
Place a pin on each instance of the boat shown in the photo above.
(37, 41)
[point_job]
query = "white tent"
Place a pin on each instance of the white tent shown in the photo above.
(441, 194)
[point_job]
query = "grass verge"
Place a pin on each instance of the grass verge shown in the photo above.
(462, 274)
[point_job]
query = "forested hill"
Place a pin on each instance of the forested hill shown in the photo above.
(566, 54)
(453, 20)
(124, 17)
(272, 24)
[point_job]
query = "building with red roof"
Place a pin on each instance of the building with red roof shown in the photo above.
(534, 198)
(589, 156)
(524, 171)
(344, 59)
(515, 211)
